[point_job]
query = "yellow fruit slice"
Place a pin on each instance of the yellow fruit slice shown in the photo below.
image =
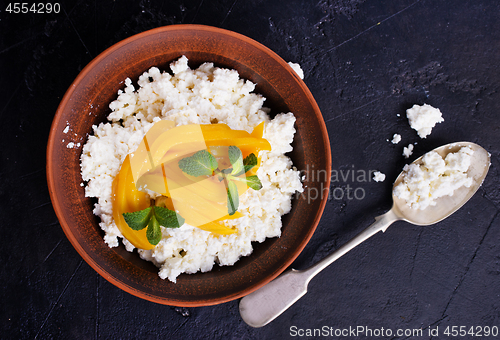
(202, 200)
(126, 198)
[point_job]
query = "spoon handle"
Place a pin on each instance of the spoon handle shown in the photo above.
(381, 223)
(264, 305)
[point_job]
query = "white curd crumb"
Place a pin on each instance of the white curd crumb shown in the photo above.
(296, 67)
(423, 118)
(66, 129)
(396, 138)
(408, 150)
(378, 176)
(436, 177)
(70, 145)
(178, 66)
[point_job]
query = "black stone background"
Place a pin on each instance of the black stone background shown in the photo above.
(366, 62)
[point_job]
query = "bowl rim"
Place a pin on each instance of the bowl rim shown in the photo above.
(56, 200)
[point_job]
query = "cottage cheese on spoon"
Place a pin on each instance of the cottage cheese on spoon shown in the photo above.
(436, 177)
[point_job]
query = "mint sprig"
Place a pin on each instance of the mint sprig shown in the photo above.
(138, 220)
(204, 163)
(153, 217)
(251, 181)
(233, 199)
(153, 233)
(249, 162)
(236, 160)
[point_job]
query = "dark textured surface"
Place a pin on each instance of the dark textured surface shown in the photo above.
(365, 62)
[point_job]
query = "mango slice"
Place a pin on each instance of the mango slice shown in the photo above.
(202, 200)
(126, 198)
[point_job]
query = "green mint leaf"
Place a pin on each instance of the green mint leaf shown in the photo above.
(251, 181)
(234, 154)
(168, 218)
(233, 200)
(202, 163)
(251, 159)
(249, 162)
(154, 231)
(236, 159)
(254, 182)
(138, 220)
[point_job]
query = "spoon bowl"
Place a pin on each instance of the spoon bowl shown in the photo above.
(264, 305)
(446, 205)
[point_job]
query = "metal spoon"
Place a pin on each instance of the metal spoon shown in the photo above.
(264, 305)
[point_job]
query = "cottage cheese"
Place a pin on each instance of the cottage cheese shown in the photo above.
(396, 138)
(378, 176)
(201, 96)
(408, 150)
(435, 177)
(423, 118)
(296, 67)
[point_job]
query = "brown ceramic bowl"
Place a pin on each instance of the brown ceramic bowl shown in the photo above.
(86, 103)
